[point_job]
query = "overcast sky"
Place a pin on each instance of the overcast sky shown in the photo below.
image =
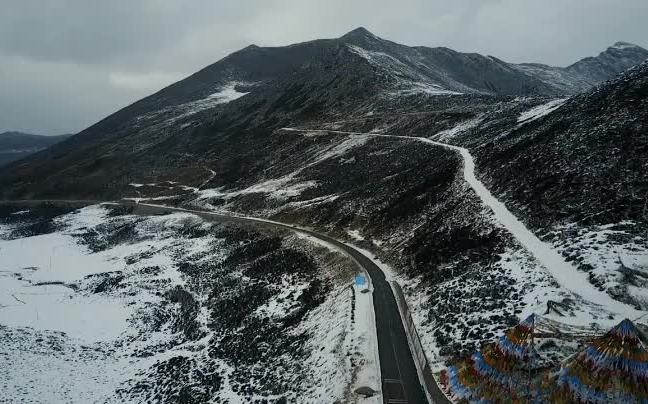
(65, 64)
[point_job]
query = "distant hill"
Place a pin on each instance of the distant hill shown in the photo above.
(16, 145)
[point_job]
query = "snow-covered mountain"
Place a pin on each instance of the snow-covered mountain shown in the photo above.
(439, 70)
(177, 129)
(492, 190)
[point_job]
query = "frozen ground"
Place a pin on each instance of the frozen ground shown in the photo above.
(101, 306)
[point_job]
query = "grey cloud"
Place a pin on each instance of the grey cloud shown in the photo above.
(54, 98)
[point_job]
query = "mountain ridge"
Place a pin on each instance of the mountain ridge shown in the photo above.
(250, 55)
(256, 90)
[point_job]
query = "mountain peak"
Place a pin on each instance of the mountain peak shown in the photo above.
(360, 32)
(624, 45)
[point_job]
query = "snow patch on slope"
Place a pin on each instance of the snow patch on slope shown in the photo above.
(289, 185)
(170, 115)
(624, 45)
(540, 111)
(449, 134)
(355, 234)
(227, 93)
(414, 88)
(410, 82)
(277, 188)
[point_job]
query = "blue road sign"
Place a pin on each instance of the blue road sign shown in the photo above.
(360, 280)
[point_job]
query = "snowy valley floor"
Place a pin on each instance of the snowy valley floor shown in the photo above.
(100, 306)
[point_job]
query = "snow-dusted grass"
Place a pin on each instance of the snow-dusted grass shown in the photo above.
(281, 305)
(289, 185)
(59, 341)
(563, 272)
(64, 345)
(616, 258)
(333, 335)
(46, 367)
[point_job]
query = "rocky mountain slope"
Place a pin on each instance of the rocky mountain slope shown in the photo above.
(592, 147)
(173, 132)
(16, 145)
(583, 183)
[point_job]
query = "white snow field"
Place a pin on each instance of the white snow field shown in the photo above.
(58, 345)
(60, 342)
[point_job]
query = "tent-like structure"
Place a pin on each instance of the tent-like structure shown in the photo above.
(500, 371)
(613, 368)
